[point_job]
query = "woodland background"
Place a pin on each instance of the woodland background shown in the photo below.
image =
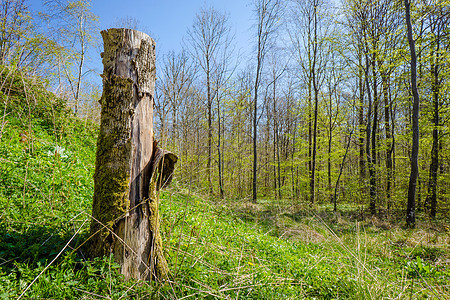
(318, 117)
(323, 78)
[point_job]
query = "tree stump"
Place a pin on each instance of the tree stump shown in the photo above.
(129, 168)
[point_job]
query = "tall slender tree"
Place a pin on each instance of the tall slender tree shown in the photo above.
(411, 206)
(310, 45)
(208, 37)
(437, 24)
(268, 13)
(177, 77)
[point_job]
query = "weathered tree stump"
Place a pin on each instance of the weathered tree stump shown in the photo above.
(130, 168)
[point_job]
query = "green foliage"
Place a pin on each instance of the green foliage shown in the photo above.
(418, 267)
(22, 45)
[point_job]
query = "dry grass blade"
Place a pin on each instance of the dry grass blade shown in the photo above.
(345, 247)
(90, 293)
(198, 290)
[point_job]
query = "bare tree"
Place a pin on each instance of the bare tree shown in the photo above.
(240, 127)
(74, 27)
(268, 13)
(276, 113)
(208, 38)
(221, 77)
(21, 42)
(177, 77)
(12, 26)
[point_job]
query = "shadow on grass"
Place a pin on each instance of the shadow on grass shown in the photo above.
(34, 245)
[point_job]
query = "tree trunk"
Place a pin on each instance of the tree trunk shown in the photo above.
(254, 138)
(432, 187)
(276, 139)
(330, 140)
(314, 148)
(278, 164)
(209, 104)
(275, 185)
(312, 182)
(255, 121)
(369, 124)
(387, 128)
(411, 206)
(80, 65)
(129, 168)
(373, 160)
(362, 165)
(219, 153)
(341, 168)
(294, 167)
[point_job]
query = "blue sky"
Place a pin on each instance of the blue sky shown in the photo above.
(168, 20)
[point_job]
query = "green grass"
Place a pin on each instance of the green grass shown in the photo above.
(228, 249)
(240, 250)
